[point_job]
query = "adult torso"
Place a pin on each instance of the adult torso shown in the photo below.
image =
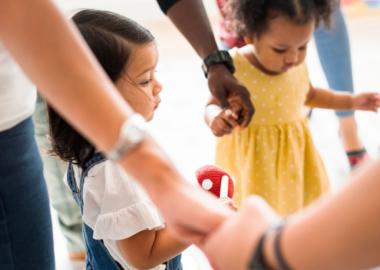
(17, 93)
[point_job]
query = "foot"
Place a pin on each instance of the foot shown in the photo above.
(77, 256)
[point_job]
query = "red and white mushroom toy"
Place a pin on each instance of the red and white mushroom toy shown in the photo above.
(216, 181)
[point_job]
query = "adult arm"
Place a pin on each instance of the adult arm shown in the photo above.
(341, 232)
(338, 232)
(190, 17)
(52, 53)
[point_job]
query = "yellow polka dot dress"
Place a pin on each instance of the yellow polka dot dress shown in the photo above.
(275, 156)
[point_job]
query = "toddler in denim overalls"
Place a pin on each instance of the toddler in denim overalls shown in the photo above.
(98, 256)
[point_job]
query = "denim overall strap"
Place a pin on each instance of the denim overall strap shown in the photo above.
(70, 178)
(94, 160)
(174, 264)
(98, 257)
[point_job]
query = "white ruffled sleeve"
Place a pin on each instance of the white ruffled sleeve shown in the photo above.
(124, 207)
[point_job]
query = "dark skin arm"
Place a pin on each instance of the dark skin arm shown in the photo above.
(223, 85)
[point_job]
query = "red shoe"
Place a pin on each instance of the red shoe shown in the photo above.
(357, 157)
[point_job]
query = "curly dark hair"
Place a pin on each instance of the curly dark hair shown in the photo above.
(110, 37)
(246, 17)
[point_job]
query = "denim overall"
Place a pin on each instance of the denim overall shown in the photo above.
(98, 257)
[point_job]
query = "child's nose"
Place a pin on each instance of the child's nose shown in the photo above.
(157, 88)
(291, 57)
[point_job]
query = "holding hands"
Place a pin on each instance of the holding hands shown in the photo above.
(242, 230)
(223, 123)
(231, 95)
(369, 101)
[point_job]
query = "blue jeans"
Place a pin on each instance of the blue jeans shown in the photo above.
(333, 48)
(26, 239)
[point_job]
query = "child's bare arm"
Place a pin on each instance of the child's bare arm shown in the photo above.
(150, 248)
(328, 99)
(321, 98)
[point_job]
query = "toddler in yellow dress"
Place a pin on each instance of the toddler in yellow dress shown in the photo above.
(275, 156)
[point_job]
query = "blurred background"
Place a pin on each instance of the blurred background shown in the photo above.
(178, 124)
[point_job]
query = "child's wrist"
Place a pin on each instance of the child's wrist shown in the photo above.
(209, 119)
(350, 102)
(212, 111)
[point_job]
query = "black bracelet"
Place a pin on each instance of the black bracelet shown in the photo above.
(258, 261)
(281, 262)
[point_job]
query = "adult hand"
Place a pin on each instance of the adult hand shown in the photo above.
(190, 212)
(230, 93)
(231, 245)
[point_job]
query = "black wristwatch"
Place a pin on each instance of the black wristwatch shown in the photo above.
(218, 57)
(258, 261)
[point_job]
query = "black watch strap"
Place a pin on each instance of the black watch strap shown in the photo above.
(258, 261)
(282, 263)
(218, 57)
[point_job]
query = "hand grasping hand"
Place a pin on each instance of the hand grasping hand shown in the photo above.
(230, 94)
(224, 123)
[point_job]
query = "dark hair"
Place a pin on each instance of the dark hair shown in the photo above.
(252, 16)
(111, 38)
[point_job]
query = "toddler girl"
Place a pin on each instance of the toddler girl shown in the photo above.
(122, 227)
(275, 156)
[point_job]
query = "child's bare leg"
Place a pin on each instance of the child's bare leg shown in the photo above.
(353, 146)
(349, 133)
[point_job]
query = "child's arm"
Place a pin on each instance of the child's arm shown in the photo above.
(321, 98)
(221, 122)
(150, 248)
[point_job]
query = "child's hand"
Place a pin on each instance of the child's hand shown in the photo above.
(228, 202)
(366, 102)
(223, 123)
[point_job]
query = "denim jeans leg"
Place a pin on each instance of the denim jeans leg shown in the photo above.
(26, 240)
(333, 48)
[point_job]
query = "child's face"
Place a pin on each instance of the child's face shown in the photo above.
(138, 84)
(283, 45)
